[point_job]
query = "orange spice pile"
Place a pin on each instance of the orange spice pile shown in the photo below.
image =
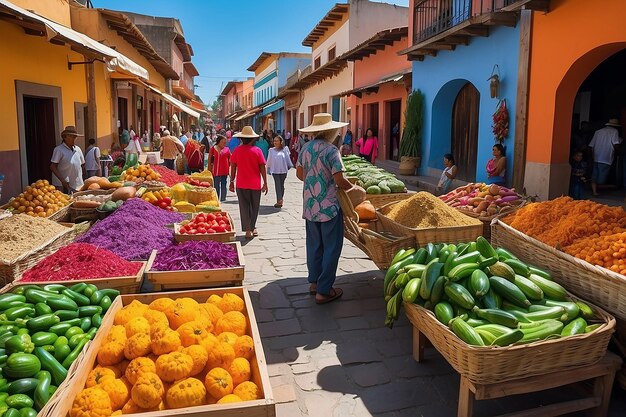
(590, 231)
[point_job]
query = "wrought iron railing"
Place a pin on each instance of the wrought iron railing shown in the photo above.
(432, 17)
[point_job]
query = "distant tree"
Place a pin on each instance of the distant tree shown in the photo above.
(217, 105)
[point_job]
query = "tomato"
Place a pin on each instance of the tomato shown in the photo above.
(210, 231)
(163, 204)
(202, 230)
(219, 229)
(199, 218)
(227, 227)
(167, 200)
(210, 216)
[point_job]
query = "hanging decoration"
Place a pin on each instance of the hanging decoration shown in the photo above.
(500, 125)
(494, 82)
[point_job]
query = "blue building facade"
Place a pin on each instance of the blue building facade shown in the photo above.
(443, 77)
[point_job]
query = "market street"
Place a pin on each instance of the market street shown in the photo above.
(339, 359)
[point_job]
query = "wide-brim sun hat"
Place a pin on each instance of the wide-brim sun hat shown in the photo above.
(322, 122)
(70, 130)
(246, 132)
(613, 123)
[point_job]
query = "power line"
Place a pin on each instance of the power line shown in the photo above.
(225, 78)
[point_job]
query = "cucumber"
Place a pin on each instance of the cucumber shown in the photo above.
(44, 338)
(459, 295)
(478, 284)
(437, 291)
(547, 329)
(409, 295)
(484, 247)
(529, 288)
(88, 311)
(42, 322)
(585, 311)
(550, 289)
(491, 299)
(444, 312)
(55, 288)
(465, 332)
(509, 291)
(497, 316)
(429, 277)
(62, 303)
(78, 298)
(504, 254)
(518, 267)
(7, 299)
(507, 339)
(42, 308)
(476, 322)
(571, 308)
(540, 272)
(463, 270)
(23, 386)
(67, 314)
(60, 329)
(574, 327)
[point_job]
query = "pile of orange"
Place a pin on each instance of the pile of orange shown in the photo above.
(140, 173)
(607, 250)
(40, 199)
(172, 353)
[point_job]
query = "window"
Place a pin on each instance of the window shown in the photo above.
(332, 53)
(317, 63)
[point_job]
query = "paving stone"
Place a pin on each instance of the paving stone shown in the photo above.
(288, 410)
(369, 374)
(312, 325)
(353, 323)
(283, 313)
(272, 297)
(307, 382)
(322, 404)
(278, 369)
(349, 308)
(394, 347)
(279, 328)
(303, 368)
(263, 315)
(278, 261)
(284, 393)
(354, 353)
(298, 289)
(396, 395)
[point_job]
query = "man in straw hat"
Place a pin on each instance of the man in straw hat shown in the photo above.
(603, 146)
(67, 162)
(247, 169)
(320, 168)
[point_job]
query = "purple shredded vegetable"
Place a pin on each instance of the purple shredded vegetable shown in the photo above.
(196, 255)
(133, 230)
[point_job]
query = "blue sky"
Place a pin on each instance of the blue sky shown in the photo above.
(228, 35)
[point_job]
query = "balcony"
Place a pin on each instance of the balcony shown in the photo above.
(444, 24)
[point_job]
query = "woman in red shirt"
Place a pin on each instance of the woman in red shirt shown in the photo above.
(247, 169)
(219, 163)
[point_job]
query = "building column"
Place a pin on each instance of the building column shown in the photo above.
(92, 121)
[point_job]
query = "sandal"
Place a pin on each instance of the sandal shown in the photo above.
(335, 293)
(255, 233)
(249, 235)
(313, 289)
(278, 205)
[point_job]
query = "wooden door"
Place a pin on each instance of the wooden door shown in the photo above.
(465, 132)
(39, 121)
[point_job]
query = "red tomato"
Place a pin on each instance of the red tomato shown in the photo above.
(200, 217)
(163, 205)
(193, 231)
(219, 229)
(202, 230)
(167, 200)
(227, 227)
(210, 216)
(210, 231)
(182, 230)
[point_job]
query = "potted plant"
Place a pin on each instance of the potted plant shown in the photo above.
(411, 143)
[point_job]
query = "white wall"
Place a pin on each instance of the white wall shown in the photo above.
(322, 93)
(341, 41)
(268, 90)
(368, 18)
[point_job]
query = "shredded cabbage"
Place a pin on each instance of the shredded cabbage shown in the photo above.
(196, 255)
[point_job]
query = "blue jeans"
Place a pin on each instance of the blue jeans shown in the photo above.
(576, 189)
(324, 241)
(220, 186)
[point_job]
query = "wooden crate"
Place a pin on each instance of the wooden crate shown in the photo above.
(125, 285)
(264, 407)
(216, 237)
(206, 278)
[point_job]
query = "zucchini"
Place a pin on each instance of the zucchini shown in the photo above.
(574, 327)
(23, 386)
(496, 316)
(22, 365)
(55, 288)
(459, 295)
(37, 295)
(105, 303)
(60, 329)
(529, 288)
(62, 303)
(42, 308)
(80, 299)
(429, 277)
(89, 290)
(28, 412)
(504, 254)
(19, 312)
(50, 364)
(96, 319)
(19, 401)
(79, 288)
(518, 266)
(550, 289)
(44, 338)
(571, 308)
(478, 284)
(444, 312)
(66, 314)
(42, 322)
(465, 332)
(42, 394)
(509, 291)
(6, 300)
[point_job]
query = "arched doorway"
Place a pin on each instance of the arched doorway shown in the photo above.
(465, 131)
(601, 96)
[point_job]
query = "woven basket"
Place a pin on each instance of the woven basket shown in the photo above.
(62, 215)
(79, 214)
(598, 285)
(489, 365)
(452, 234)
(380, 200)
(486, 220)
(12, 271)
(378, 247)
(197, 195)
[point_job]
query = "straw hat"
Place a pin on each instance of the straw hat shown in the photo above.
(246, 132)
(322, 122)
(70, 130)
(614, 123)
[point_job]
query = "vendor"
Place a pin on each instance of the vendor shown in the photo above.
(68, 163)
(134, 146)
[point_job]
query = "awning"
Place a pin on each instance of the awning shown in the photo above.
(232, 115)
(273, 107)
(176, 103)
(373, 88)
(78, 41)
(247, 114)
(198, 106)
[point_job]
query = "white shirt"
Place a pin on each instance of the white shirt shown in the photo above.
(278, 161)
(603, 144)
(92, 159)
(133, 146)
(70, 163)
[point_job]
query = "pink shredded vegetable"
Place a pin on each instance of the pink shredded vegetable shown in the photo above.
(196, 255)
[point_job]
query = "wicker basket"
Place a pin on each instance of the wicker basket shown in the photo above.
(12, 271)
(598, 285)
(380, 200)
(197, 195)
(486, 220)
(379, 247)
(62, 215)
(489, 365)
(79, 214)
(452, 234)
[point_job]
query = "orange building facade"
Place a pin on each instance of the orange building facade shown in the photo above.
(568, 44)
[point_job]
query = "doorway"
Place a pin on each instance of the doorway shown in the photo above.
(465, 132)
(394, 111)
(372, 119)
(40, 136)
(81, 114)
(122, 114)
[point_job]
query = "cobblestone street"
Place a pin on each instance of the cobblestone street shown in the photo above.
(339, 359)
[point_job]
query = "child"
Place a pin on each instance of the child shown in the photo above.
(448, 174)
(577, 180)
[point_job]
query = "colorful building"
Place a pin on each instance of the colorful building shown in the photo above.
(457, 49)
(270, 74)
(63, 78)
(344, 27)
(382, 80)
(232, 97)
(577, 82)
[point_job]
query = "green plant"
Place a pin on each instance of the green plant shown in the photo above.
(411, 143)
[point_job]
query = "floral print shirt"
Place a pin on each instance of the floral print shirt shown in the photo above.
(320, 160)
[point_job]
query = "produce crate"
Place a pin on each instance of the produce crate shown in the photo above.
(206, 278)
(597, 284)
(217, 237)
(125, 285)
(452, 234)
(12, 271)
(380, 200)
(489, 364)
(264, 407)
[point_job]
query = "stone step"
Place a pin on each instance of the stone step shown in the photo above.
(415, 182)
